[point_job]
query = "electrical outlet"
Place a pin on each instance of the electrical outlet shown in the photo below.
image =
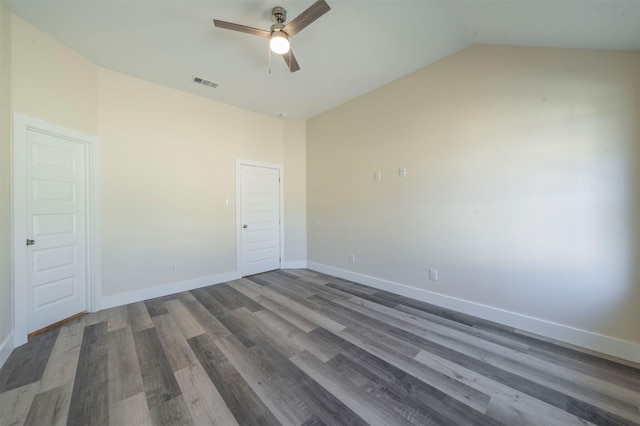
(352, 258)
(433, 274)
(172, 268)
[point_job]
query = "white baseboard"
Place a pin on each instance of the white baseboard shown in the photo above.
(5, 348)
(294, 264)
(166, 289)
(586, 339)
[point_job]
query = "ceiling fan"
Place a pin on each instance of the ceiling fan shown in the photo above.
(280, 33)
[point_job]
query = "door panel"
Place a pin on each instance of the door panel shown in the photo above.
(260, 215)
(54, 292)
(54, 258)
(56, 215)
(53, 224)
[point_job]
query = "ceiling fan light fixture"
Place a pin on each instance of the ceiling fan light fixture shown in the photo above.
(279, 34)
(279, 43)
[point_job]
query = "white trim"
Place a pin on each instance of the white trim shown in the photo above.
(166, 289)
(583, 338)
(94, 225)
(5, 349)
(241, 162)
(19, 231)
(294, 264)
(21, 124)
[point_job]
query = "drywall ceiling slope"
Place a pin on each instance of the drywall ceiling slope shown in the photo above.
(356, 47)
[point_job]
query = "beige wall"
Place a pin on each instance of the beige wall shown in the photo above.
(168, 163)
(637, 192)
(521, 188)
(6, 306)
(52, 82)
(295, 191)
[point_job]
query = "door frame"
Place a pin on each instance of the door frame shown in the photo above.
(239, 164)
(21, 125)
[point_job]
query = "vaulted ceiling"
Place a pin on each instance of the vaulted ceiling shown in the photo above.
(356, 47)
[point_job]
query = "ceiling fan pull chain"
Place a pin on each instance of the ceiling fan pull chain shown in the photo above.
(269, 60)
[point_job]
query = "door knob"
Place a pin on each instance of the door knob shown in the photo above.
(244, 226)
(30, 242)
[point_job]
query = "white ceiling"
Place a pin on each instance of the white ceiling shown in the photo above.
(356, 47)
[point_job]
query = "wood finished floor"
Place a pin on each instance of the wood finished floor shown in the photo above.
(302, 348)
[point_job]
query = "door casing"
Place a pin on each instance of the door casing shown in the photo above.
(239, 164)
(21, 125)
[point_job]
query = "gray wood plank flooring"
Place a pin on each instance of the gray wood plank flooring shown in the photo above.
(299, 347)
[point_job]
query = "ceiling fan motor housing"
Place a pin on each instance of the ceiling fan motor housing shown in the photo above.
(279, 15)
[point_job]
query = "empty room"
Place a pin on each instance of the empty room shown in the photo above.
(319, 212)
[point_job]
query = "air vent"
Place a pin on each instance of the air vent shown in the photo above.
(204, 82)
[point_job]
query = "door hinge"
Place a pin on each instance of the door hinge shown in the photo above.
(30, 242)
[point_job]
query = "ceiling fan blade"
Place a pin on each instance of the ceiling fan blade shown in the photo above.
(291, 61)
(314, 11)
(242, 28)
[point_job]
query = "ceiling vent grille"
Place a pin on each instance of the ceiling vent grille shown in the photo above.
(204, 82)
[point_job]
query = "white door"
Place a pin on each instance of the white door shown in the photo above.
(56, 214)
(260, 219)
